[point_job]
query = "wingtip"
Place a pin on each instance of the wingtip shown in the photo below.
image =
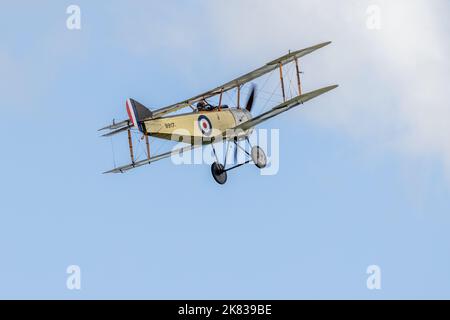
(110, 171)
(323, 44)
(332, 87)
(104, 128)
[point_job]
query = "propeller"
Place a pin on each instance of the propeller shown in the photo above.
(251, 99)
(248, 107)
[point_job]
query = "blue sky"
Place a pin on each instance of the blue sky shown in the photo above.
(364, 173)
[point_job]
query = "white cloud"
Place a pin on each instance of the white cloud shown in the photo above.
(422, 74)
(394, 81)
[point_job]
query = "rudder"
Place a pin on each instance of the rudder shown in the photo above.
(137, 113)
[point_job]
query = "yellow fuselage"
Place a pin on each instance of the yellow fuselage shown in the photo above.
(196, 126)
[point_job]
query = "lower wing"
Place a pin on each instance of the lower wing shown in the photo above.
(152, 159)
(285, 106)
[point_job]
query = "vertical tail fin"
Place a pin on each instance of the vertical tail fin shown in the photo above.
(137, 112)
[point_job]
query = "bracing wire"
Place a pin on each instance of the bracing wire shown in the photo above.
(113, 153)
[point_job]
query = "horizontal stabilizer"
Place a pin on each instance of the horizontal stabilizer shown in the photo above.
(111, 133)
(115, 125)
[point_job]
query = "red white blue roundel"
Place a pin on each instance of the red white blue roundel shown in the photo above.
(204, 125)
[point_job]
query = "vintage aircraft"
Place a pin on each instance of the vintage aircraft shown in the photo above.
(209, 124)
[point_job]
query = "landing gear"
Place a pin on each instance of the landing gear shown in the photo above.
(218, 172)
(259, 157)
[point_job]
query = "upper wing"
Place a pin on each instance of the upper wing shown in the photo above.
(239, 81)
(282, 108)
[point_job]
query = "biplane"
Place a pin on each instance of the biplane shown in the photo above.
(207, 123)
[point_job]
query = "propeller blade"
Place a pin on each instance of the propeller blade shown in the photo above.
(250, 99)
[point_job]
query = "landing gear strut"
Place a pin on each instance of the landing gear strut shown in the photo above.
(218, 170)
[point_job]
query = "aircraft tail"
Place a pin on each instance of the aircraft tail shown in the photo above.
(137, 113)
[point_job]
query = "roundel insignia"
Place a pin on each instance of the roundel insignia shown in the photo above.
(204, 125)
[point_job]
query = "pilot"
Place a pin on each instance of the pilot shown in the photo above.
(204, 106)
(201, 106)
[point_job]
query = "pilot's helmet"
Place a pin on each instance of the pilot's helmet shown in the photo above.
(201, 105)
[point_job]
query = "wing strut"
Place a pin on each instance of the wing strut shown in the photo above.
(282, 81)
(130, 144)
(239, 97)
(298, 77)
(147, 144)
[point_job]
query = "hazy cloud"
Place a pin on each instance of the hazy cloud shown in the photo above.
(394, 81)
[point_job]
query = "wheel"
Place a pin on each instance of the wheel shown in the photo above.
(259, 157)
(218, 173)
